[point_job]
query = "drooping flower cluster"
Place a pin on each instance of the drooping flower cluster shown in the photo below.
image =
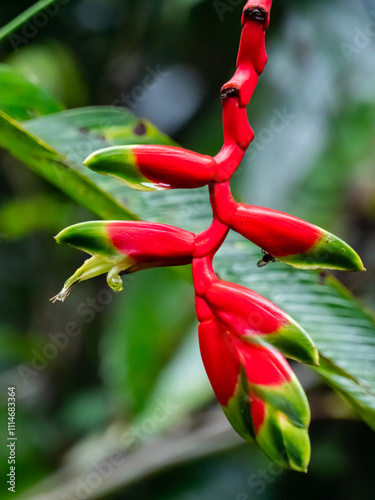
(244, 338)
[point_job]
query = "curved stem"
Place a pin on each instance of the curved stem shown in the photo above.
(203, 274)
(209, 241)
(222, 202)
(207, 244)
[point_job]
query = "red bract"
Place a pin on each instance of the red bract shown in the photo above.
(154, 167)
(220, 359)
(276, 403)
(150, 242)
(252, 318)
(292, 240)
(279, 234)
(243, 336)
(259, 394)
(123, 247)
(284, 237)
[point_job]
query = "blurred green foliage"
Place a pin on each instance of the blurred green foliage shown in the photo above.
(319, 166)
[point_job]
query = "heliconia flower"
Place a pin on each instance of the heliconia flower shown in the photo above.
(153, 167)
(259, 394)
(294, 241)
(257, 321)
(123, 247)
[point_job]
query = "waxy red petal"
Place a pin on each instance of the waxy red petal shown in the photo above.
(258, 412)
(270, 406)
(263, 366)
(292, 240)
(175, 167)
(148, 241)
(278, 233)
(149, 167)
(220, 359)
(256, 320)
(121, 247)
(251, 309)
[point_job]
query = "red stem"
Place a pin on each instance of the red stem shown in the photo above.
(222, 202)
(238, 134)
(209, 241)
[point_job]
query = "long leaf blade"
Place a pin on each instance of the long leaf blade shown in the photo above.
(57, 169)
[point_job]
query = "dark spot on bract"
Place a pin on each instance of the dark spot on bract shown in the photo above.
(256, 14)
(229, 92)
(140, 129)
(322, 277)
(84, 130)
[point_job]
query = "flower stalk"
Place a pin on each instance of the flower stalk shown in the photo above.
(244, 338)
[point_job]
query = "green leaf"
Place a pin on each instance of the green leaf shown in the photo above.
(21, 99)
(77, 133)
(342, 329)
(83, 130)
(57, 169)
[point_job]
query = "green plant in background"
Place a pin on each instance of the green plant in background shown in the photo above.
(55, 144)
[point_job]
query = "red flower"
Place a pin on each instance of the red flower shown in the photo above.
(243, 337)
(254, 319)
(285, 237)
(123, 247)
(150, 168)
(259, 393)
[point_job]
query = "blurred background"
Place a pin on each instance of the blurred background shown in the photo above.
(313, 114)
